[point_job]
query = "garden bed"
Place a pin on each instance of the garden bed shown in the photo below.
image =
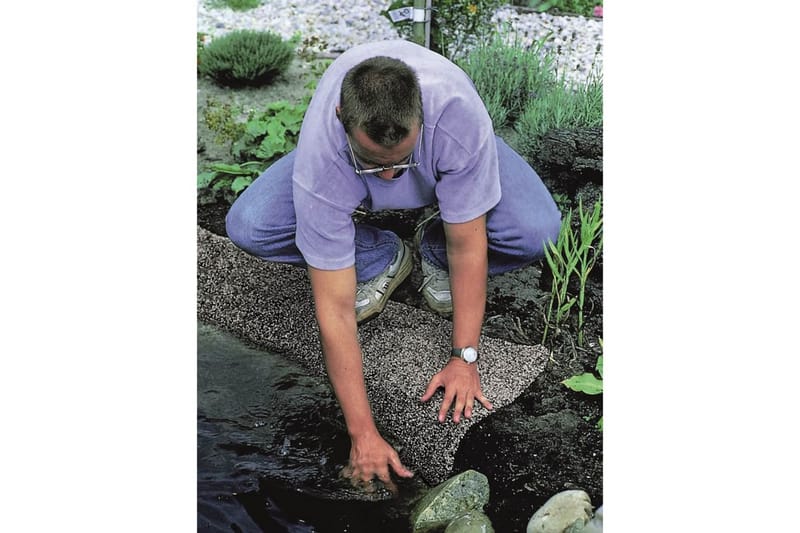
(546, 441)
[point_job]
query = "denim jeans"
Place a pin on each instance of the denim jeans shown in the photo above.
(262, 222)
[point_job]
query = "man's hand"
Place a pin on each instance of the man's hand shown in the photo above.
(461, 385)
(372, 456)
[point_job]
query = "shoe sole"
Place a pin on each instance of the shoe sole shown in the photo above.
(439, 308)
(400, 277)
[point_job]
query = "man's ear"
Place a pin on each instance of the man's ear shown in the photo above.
(339, 112)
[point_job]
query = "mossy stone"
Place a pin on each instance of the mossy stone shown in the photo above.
(472, 522)
(449, 500)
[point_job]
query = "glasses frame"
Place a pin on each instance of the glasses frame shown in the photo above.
(376, 170)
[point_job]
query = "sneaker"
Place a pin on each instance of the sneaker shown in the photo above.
(436, 282)
(372, 295)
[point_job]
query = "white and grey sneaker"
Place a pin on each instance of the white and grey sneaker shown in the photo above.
(436, 282)
(372, 295)
(436, 288)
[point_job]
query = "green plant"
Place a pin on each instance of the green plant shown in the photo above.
(507, 75)
(271, 133)
(201, 44)
(561, 105)
(255, 144)
(244, 57)
(589, 383)
(572, 256)
(453, 23)
(578, 7)
(226, 180)
(590, 245)
(236, 5)
(562, 201)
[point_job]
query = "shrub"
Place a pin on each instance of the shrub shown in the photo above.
(246, 57)
(453, 23)
(507, 75)
(565, 106)
(236, 5)
(579, 7)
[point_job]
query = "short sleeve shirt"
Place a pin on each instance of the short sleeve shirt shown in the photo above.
(457, 152)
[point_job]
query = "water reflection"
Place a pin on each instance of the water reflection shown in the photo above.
(271, 441)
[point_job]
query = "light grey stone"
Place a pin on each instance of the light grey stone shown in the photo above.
(595, 525)
(562, 513)
(467, 491)
(330, 27)
(472, 522)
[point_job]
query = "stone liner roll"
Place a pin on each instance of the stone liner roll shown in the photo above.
(270, 304)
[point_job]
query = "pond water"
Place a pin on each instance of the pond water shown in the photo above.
(270, 443)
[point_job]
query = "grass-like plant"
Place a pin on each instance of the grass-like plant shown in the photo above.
(572, 257)
(568, 106)
(561, 259)
(246, 58)
(507, 75)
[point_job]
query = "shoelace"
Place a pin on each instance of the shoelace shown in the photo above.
(426, 220)
(436, 275)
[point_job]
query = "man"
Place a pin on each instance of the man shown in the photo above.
(393, 125)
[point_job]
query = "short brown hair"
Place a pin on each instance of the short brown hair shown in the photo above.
(381, 95)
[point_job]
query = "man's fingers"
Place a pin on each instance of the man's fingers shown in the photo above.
(446, 403)
(432, 386)
(458, 409)
(468, 407)
(399, 469)
(485, 402)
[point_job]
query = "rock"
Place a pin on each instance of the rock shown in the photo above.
(595, 525)
(455, 497)
(565, 512)
(472, 522)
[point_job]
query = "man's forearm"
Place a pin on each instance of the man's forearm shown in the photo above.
(334, 299)
(346, 373)
(467, 256)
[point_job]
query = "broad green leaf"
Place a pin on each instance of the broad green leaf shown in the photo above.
(599, 366)
(222, 183)
(586, 383)
(241, 183)
(277, 105)
(277, 129)
(256, 128)
(226, 168)
(600, 424)
(204, 178)
(269, 147)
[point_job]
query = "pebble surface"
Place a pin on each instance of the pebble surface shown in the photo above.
(331, 27)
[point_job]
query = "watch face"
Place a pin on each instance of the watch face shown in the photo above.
(469, 354)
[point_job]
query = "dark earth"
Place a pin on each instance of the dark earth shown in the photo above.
(546, 441)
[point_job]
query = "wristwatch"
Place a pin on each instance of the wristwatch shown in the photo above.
(468, 354)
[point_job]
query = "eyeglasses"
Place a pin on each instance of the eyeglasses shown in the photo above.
(376, 170)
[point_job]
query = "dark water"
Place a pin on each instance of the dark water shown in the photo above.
(270, 443)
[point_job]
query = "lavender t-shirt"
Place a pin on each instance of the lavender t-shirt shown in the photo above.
(457, 152)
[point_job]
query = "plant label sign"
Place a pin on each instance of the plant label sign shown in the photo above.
(401, 14)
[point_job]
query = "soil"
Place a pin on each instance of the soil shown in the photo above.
(545, 442)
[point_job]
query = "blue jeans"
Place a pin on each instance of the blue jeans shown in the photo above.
(262, 222)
